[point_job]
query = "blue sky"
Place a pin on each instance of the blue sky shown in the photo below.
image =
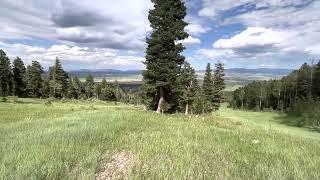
(111, 34)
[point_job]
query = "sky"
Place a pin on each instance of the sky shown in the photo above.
(108, 34)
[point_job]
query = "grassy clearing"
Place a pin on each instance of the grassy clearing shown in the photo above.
(68, 139)
(268, 121)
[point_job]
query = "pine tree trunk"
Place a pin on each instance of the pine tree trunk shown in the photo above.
(242, 103)
(203, 107)
(161, 100)
(284, 105)
(260, 104)
(296, 96)
(187, 109)
(278, 106)
(260, 100)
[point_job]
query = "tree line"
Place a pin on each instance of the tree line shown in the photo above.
(31, 81)
(298, 93)
(169, 82)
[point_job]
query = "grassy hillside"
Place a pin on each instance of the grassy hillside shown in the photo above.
(74, 140)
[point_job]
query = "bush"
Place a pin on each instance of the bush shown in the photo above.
(4, 99)
(48, 102)
(308, 113)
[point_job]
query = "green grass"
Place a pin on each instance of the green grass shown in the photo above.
(268, 121)
(67, 139)
(232, 87)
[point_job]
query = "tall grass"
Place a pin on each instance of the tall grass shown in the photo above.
(67, 139)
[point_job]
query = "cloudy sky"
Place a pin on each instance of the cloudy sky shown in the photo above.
(104, 34)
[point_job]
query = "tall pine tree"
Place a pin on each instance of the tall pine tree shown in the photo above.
(97, 90)
(19, 71)
(304, 81)
(189, 86)
(45, 91)
(71, 93)
(218, 86)
(34, 79)
(78, 87)
(316, 81)
(164, 59)
(58, 80)
(89, 86)
(5, 74)
(208, 88)
(107, 92)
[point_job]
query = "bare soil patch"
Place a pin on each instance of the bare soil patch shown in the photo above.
(117, 167)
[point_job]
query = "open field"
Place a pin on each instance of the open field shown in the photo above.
(73, 139)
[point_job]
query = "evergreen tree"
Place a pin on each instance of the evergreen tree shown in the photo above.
(189, 86)
(89, 86)
(77, 85)
(97, 90)
(5, 74)
(164, 59)
(58, 80)
(117, 91)
(208, 88)
(45, 92)
(238, 98)
(316, 81)
(218, 86)
(71, 92)
(304, 81)
(19, 71)
(107, 92)
(200, 103)
(34, 79)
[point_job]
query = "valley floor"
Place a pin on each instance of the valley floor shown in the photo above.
(84, 140)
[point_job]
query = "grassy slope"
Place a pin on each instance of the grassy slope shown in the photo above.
(65, 140)
(268, 121)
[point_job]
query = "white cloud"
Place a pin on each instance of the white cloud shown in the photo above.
(213, 54)
(197, 29)
(314, 50)
(105, 23)
(213, 8)
(278, 32)
(82, 56)
(190, 41)
(255, 43)
(109, 32)
(252, 36)
(299, 27)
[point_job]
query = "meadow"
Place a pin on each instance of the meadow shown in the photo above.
(75, 139)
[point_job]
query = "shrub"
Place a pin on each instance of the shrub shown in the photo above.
(308, 113)
(4, 99)
(48, 102)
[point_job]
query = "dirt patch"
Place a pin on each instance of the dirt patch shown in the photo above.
(117, 167)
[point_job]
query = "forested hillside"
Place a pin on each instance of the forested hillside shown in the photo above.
(296, 94)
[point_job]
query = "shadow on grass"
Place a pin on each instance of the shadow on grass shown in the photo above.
(26, 102)
(293, 120)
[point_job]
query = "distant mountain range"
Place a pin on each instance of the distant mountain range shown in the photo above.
(260, 71)
(107, 71)
(111, 72)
